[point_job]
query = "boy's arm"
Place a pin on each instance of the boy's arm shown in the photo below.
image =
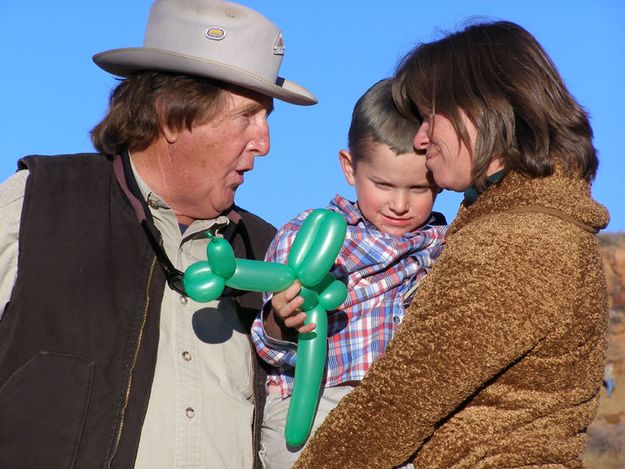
(274, 341)
(275, 352)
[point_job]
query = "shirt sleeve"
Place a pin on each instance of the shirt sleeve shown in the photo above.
(11, 201)
(275, 352)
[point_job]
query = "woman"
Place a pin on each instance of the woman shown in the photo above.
(500, 358)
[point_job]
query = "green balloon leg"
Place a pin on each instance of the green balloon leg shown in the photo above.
(311, 357)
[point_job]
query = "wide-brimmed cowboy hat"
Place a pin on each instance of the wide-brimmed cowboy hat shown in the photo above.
(214, 39)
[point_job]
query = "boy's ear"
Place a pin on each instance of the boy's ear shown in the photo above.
(345, 158)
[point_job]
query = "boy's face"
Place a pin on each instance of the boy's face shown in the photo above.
(395, 192)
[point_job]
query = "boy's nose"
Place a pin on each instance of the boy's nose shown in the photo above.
(399, 203)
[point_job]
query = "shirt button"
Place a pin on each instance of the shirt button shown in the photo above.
(183, 300)
(396, 319)
(186, 356)
(153, 204)
(189, 412)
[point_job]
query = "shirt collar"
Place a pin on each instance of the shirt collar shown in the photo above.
(348, 209)
(354, 216)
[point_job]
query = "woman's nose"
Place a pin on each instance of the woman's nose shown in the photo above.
(421, 139)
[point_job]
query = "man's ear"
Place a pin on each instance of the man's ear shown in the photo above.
(347, 165)
(170, 134)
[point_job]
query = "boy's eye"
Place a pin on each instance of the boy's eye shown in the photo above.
(420, 189)
(382, 185)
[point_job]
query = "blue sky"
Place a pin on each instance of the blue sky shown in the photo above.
(52, 94)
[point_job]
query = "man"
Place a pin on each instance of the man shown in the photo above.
(104, 361)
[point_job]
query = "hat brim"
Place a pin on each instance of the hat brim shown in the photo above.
(125, 62)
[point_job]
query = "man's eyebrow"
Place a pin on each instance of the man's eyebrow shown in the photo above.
(256, 107)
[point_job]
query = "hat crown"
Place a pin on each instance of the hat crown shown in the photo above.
(213, 39)
(217, 31)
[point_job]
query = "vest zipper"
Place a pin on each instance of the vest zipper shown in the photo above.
(132, 367)
(254, 401)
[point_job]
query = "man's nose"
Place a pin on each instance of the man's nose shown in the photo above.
(259, 145)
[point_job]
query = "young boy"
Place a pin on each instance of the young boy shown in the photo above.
(392, 239)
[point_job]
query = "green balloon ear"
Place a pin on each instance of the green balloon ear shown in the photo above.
(323, 250)
(304, 239)
(200, 284)
(316, 246)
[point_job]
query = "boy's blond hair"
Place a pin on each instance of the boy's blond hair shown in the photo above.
(376, 119)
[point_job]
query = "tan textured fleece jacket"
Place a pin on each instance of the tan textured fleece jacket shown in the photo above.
(500, 357)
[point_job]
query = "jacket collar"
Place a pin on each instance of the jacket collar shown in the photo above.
(565, 195)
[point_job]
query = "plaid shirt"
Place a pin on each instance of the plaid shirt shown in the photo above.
(381, 272)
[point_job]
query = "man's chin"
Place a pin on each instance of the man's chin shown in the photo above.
(226, 207)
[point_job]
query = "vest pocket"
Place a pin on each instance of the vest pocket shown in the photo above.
(43, 408)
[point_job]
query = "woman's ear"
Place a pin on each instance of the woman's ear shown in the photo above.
(347, 165)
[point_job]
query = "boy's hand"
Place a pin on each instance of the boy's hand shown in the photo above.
(285, 314)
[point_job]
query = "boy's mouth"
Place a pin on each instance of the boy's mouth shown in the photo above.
(395, 221)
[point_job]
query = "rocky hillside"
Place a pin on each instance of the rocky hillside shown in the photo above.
(606, 436)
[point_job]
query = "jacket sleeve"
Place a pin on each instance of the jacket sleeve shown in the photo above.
(11, 200)
(475, 314)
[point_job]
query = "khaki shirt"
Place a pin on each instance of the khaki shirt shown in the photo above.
(201, 404)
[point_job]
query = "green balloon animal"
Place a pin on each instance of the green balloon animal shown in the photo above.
(310, 259)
